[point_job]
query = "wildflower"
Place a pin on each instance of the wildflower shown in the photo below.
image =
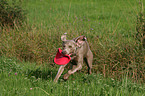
(30, 88)
(15, 73)
(91, 28)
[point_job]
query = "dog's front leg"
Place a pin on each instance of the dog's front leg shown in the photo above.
(78, 67)
(61, 69)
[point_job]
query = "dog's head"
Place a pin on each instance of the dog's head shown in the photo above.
(70, 46)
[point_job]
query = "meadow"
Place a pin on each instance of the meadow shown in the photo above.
(27, 52)
(25, 79)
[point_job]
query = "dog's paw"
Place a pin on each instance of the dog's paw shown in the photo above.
(65, 77)
(69, 72)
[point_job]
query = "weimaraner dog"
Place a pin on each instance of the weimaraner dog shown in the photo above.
(79, 50)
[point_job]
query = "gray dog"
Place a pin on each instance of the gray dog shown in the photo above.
(79, 50)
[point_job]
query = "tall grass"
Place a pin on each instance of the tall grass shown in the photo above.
(11, 13)
(110, 31)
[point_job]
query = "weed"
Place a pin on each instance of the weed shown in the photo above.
(11, 13)
(141, 25)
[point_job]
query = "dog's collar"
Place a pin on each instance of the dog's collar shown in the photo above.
(75, 50)
(74, 53)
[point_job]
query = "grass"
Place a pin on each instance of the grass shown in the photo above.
(110, 31)
(32, 80)
(110, 28)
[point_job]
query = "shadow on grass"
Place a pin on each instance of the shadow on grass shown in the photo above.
(43, 74)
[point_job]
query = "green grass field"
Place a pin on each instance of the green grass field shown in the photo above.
(25, 79)
(110, 28)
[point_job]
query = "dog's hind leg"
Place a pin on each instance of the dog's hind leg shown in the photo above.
(89, 60)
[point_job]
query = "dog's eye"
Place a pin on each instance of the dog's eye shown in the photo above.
(70, 46)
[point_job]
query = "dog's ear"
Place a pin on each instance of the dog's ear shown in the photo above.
(80, 40)
(63, 37)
